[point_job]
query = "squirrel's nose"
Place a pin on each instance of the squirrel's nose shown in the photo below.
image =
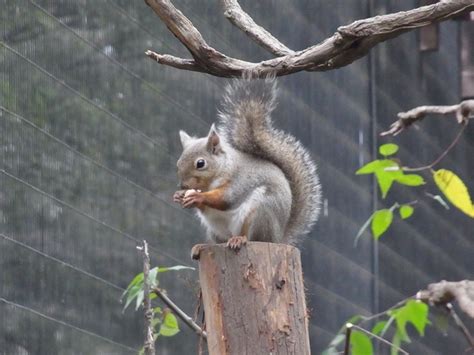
(183, 186)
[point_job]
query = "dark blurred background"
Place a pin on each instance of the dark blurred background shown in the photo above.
(89, 140)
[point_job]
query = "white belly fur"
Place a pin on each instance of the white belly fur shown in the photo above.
(226, 224)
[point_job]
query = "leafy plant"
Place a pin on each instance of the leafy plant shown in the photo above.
(394, 320)
(389, 170)
(164, 321)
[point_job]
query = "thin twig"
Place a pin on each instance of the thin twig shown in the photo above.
(149, 346)
(445, 152)
(180, 313)
(449, 307)
(348, 338)
(463, 111)
(385, 341)
(398, 304)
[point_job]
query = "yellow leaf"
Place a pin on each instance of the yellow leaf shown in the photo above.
(455, 190)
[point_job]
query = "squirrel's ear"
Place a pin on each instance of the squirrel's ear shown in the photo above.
(213, 141)
(185, 138)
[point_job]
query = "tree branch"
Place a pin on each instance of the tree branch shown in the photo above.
(460, 324)
(443, 154)
(175, 62)
(149, 346)
(239, 18)
(348, 44)
(180, 313)
(463, 112)
(445, 292)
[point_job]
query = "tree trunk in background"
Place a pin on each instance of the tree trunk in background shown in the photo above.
(254, 300)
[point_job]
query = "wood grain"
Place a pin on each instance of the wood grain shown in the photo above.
(254, 300)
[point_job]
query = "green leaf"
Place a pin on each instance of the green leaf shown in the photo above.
(381, 221)
(379, 326)
(362, 230)
(410, 180)
(397, 341)
(414, 312)
(169, 327)
(361, 344)
(157, 310)
(152, 277)
(388, 149)
(140, 296)
(376, 165)
(385, 170)
(406, 211)
(385, 181)
(370, 167)
(175, 268)
(132, 293)
(136, 280)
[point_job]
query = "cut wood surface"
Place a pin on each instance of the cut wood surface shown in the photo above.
(254, 300)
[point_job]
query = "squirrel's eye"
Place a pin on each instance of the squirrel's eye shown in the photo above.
(200, 164)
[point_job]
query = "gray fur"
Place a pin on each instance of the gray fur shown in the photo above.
(271, 190)
(245, 123)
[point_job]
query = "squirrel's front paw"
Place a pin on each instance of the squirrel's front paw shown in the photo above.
(178, 196)
(237, 242)
(192, 198)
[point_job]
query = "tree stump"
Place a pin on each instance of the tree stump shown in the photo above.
(254, 300)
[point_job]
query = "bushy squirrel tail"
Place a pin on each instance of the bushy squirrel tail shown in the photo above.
(245, 121)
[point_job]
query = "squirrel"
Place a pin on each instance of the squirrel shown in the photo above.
(248, 180)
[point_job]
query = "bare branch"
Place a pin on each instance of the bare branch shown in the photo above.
(347, 341)
(175, 62)
(348, 44)
(443, 154)
(463, 112)
(149, 347)
(180, 313)
(445, 292)
(239, 18)
(460, 324)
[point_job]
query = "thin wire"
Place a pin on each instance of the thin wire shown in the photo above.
(85, 157)
(87, 332)
(335, 295)
(124, 13)
(116, 230)
(83, 97)
(79, 270)
(123, 67)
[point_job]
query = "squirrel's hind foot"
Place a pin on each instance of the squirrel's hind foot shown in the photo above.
(196, 251)
(237, 242)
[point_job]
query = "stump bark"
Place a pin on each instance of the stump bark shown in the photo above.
(254, 300)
